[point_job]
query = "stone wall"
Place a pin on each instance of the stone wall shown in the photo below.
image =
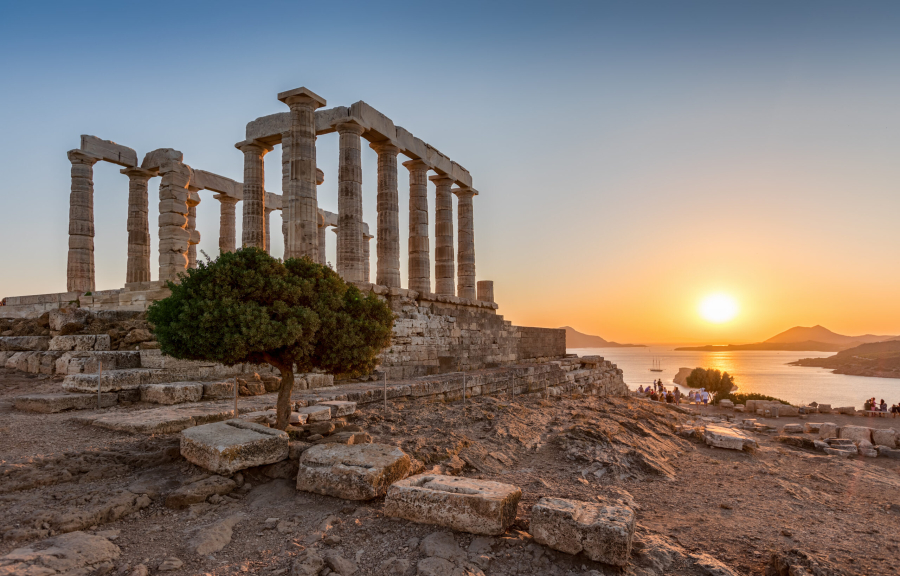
(541, 343)
(136, 297)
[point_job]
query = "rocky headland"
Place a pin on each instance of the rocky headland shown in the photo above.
(878, 359)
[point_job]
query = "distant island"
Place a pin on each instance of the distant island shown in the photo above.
(799, 338)
(576, 339)
(879, 359)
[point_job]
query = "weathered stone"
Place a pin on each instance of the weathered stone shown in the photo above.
(346, 438)
(442, 545)
(80, 342)
(866, 449)
(856, 434)
(824, 408)
(215, 537)
(828, 430)
(729, 438)
(172, 393)
(216, 390)
(812, 427)
(317, 413)
(24, 343)
(849, 410)
(52, 403)
(792, 429)
(199, 491)
(604, 533)
(339, 407)
(357, 472)
(339, 565)
(465, 274)
(170, 564)
(69, 320)
(726, 404)
(463, 504)
(885, 437)
(307, 564)
(73, 554)
(226, 447)
(888, 452)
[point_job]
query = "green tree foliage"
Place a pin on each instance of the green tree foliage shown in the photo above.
(247, 307)
(713, 380)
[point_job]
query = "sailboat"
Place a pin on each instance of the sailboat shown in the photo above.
(657, 367)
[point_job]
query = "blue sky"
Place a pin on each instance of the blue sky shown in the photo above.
(631, 156)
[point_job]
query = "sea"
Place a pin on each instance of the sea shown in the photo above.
(764, 372)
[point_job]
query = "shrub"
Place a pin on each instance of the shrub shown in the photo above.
(713, 380)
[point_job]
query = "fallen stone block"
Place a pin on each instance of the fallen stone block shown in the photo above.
(728, 438)
(199, 491)
(812, 427)
(798, 441)
(317, 413)
(73, 554)
(867, 449)
(792, 429)
(339, 407)
(226, 447)
(68, 320)
(463, 504)
(885, 437)
(52, 403)
(346, 438)
(828, 430)
(824, 408)
(888, 452)
(856, 434)
(603, 532)
(172, 393)
(842, 453)
(24, 343)
(215, 537)
(738, 407)
(357, 472)
(218, 390)
(849, 410)
(111, 381)
(726, 404)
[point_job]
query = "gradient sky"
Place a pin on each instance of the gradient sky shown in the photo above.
(632, 157)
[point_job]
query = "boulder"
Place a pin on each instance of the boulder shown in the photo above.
(824, 408)
(356, 472)
(603, 532)
(339, 407)
(317, 413)
(462, 504)
(856, 434)
(73, 553)
(728, 438)
(888, 452)
(232, 445)
(69, 320)
(172, 392)
(867, 449)
(828, 430)
(215, 537)
(885, 437)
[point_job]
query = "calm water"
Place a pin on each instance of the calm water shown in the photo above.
(754, 371)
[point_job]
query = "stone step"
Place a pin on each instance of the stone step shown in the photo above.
(176, 418)
(90, 362)
(52, 403)
(24, 343)
(133, 378)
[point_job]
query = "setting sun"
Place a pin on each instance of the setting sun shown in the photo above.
(718, 308)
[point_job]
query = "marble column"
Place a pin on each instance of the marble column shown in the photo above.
(444, 265)
(387, 272)
(80, 265)
(138, 267)
(466, 259)
(367, 256)
(337, 239)
(254, 228)
(419, 246)
(194, 239)
(322, 229)
(173, 220)
(268, 230)
(485, 290)
(350, 254)
(299, 198)
(227, 224)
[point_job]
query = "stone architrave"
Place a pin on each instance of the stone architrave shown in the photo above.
(419, 248)
(388, 227)
(321, 233)
(227, 223)
(300, 202)
(173, 219)
(350, 230)
(465, 273)
(194, 239)
(254, 227)
(138, 266)
(80, 266)
(444, 265)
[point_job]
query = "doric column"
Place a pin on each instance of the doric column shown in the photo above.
(227, 224)
(299, 198)
(350, 255)
(337, 239)
(194, 239)
(321, 231)
(268, 231)
(138, 266)
(173, 219)
(80, 266)
(419, 250)
(466, 267)
(485, 290)
(254, 229)
(367, 255)
(388, 225)
(444, 264)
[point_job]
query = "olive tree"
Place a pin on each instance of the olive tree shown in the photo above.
(248, 307)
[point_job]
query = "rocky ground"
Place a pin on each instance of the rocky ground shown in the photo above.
(114, 503)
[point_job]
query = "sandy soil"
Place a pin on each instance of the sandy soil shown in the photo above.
(57, 475)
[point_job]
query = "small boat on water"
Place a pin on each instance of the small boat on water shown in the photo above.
(657, 367)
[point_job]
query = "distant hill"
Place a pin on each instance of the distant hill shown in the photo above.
(576, 339)
(878, 359)
(800, 338)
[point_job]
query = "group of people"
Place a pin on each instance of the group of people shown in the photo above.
(658, 392)
(872, 406)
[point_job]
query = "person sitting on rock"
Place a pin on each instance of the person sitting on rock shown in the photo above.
(867, 406)
(883, 406)
(653, 396)
(895, 409)
(670, 398)
(640, 389)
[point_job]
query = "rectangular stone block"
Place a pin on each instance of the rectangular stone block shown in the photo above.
(603, 532)
(172, 392)
(112, 381)
(339, 407)
(24, 343)
(80, 342)
(728, 438)
(463, 504)
(109, 151)
(317, 413)
(232, 445)
(355, 472)
(52, 403)
(217, 390)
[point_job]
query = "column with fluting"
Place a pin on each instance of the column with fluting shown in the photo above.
(254, 226)
(193, 201)
(465, 274)
(367, 256)
(227, 224)
(419, 246)
(137, 268)
(173, 219)
(80, 265)
(299, 198)
(387, 245)
(350, 255)
(444, 265)
(268, 230)
(322, 229)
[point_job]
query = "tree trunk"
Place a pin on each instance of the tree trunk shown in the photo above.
(283, 408)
